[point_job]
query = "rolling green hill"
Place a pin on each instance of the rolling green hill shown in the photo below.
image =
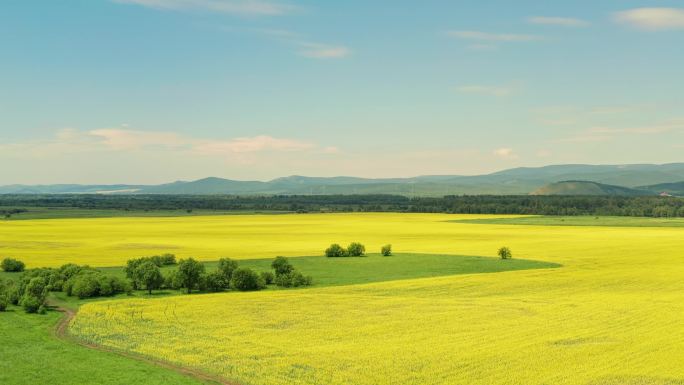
(676, 189)
(587, 188)
(516, 181)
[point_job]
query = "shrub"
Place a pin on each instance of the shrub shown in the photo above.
(190, 273)
(267, 277)
(167, 259)
(505, 253)
(215, 282)
(33, 294)
(93, 283)
(356, 249)
(12, 265)
(173, 281)
(281, 266)
(3, 302)
(85, 286)
(31, 304)
(245, 279)
(335, 251)
(386, 250)
(148, 275)
(293, 279)
(226, 266)
(9, 291)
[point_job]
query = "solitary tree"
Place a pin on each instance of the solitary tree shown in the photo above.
(190, 273)
(505, 253)
(149, 276)
(386, 250)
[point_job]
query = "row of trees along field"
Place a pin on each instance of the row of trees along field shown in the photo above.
(31, 289)
(650, 206)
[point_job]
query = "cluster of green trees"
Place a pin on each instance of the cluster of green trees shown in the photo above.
(644, 206)
(355, 249)
(7, 213)
(31, 289)
(82, 281)
(192, 275)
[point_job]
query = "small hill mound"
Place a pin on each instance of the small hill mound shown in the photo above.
(587, 188)
(676, 189)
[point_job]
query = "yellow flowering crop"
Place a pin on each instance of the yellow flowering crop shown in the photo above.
(613, 314)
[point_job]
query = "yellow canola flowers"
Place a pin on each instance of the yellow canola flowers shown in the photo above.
(112, 241)
(613, 314)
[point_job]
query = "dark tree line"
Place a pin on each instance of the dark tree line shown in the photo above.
(480, 204)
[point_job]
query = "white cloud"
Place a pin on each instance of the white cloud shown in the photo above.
(505, 153)
(323, 51)
(485, 36)
(237, 7)
(543, 153)
(125, 140)
(652, 19)
(559, 21)
(602, 134)
(250, 144)
(486, 90)
(483, 47)
(305, 47)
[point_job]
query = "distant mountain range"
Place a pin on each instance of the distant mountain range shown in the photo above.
(641, 179)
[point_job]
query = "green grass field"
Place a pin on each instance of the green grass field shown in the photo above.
(30, 353)
(376, 268)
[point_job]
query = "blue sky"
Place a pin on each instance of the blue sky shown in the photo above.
(148, 91)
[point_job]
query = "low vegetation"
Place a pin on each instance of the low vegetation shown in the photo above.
(505, 253)
(11, 265)
(102, 205)
(354, 249)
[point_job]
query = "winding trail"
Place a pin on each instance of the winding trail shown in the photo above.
(61, 331)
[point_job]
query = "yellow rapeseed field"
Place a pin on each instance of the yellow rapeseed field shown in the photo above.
(112, 241)
(613, 314)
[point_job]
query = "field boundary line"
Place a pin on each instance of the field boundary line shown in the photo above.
(61, 331)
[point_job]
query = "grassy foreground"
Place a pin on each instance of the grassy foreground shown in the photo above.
(31, 354)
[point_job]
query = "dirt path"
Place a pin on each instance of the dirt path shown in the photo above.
(62, 332)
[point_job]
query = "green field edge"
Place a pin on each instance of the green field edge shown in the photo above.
(579, 221)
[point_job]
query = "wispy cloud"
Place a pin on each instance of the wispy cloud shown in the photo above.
(559, 21)
(236, 7)
(323, 51)
(653, 19)
(126, 140)
(602, 134)
(505, 153)
(485, 90)
(304, 46)
(493, 37)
